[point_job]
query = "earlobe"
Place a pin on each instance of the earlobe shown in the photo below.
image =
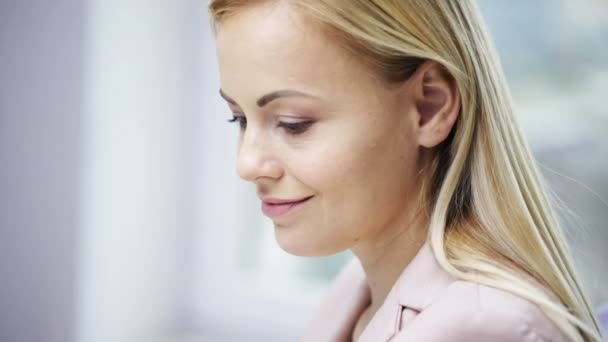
(437, 101)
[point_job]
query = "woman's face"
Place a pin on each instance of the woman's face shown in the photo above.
(330, 148)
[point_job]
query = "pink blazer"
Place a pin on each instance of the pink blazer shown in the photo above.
(427, 304)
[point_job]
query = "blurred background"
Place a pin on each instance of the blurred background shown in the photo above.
(121, 215)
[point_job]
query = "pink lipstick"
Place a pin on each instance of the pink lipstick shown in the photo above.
(275, 208)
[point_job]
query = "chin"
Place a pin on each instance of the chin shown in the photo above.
(293, 241)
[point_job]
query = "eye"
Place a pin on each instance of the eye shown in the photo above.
(242, 120)
(295, 128)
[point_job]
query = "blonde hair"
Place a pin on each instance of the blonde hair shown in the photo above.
(491, 219)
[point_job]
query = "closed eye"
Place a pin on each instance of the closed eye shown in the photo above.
(295, 128)
(291, 128)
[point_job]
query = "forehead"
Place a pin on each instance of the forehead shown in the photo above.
(266, 47)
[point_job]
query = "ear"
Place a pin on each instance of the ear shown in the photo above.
(436, 103)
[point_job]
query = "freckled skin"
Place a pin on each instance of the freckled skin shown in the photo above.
(359, 160)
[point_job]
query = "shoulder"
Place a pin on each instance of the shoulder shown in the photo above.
(467, 311)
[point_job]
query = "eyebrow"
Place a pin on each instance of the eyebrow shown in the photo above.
(266, 99)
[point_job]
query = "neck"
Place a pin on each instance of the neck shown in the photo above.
(386, 255)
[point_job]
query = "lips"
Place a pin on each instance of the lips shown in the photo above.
(274, 208)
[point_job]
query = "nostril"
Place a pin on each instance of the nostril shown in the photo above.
(257, 159)
(254, 170)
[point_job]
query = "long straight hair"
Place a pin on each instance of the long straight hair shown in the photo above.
(491, 220)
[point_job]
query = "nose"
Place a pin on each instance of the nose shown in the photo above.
(255, 158)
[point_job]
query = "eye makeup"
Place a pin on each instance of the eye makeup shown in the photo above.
(291, 128)
(241, 119)
(295, 128)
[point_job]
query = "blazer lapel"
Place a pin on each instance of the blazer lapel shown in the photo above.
(417, 286)
(422, 280)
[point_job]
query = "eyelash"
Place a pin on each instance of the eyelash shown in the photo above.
(241, 120)
(292, 128)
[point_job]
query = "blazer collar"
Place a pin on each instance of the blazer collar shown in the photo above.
(417, 286)
(421, 281)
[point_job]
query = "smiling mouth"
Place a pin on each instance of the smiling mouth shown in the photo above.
(274, 209)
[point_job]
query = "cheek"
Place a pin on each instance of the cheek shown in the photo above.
(334, 174)
(364, 187)
(332, 224)
(360, 182)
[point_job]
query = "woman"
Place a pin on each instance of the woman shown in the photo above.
(386, 127)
